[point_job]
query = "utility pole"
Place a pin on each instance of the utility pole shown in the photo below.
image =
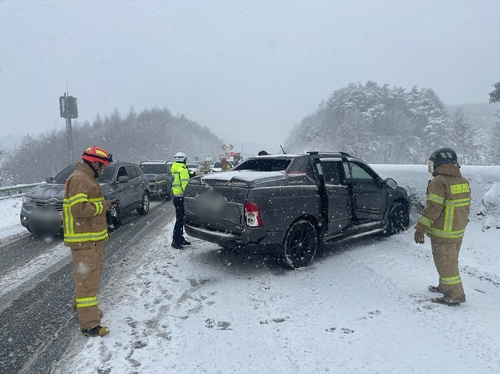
(69, 109)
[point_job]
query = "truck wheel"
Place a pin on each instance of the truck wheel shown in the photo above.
(398, 219)
(168, 195)
(300, 245)
(144, 208)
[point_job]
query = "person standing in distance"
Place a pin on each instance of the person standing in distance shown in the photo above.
(181, 176)
(444, 219)
(85, 232)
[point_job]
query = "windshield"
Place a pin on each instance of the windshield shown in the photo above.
(64, 174)
(107, 174)
(105, 177)
(154, 168)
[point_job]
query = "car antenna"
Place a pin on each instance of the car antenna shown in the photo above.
(282, 149)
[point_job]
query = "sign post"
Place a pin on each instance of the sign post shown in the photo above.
(68, 109)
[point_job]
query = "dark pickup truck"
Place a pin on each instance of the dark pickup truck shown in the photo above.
(291, 204)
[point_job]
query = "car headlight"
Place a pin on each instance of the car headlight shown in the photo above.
(27, 200)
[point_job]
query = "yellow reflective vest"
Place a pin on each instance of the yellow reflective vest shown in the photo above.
(180, 173)
(447, 208)
(84, 213)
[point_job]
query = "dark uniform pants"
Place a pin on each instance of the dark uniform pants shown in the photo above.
(88, 260)
(178, 236)
(445, 255)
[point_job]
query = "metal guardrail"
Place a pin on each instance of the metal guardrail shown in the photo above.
(15, 191)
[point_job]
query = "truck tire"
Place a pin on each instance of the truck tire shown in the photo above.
(398, 219)
(300, 245)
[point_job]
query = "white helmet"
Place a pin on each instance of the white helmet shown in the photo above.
(180, 157)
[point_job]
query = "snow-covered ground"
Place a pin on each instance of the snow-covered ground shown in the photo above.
(362, 307)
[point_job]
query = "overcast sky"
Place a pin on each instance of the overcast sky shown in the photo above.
(245, 69)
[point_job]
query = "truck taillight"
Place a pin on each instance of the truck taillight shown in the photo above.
(252, 215)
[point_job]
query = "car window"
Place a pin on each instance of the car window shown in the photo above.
(131, 172)
(331, 172)
(121, 172)
(360, 173)
(138, 171)
(266, 164)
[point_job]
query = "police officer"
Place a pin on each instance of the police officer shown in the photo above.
(444, 220)
(181, 176)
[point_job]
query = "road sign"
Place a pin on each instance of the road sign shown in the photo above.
(227, 147)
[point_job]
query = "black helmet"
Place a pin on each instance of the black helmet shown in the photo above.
(443, 156)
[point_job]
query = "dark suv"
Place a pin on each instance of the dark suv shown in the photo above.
(160, 179)
(41, 212)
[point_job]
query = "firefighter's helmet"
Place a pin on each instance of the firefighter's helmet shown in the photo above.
(97, 154)
(443, 156)
(180, 157)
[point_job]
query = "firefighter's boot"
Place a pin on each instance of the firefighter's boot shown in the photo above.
(96, 331)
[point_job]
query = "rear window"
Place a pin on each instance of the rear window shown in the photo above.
(154, 168)
(270, 164)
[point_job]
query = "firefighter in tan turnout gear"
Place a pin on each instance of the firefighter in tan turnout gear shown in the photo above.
(444, 219)
(85, 232)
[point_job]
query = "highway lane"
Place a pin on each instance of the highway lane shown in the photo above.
(36, 319)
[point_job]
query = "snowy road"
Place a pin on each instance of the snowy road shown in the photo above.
(361, 308)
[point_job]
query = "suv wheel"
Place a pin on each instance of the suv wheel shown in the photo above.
(113, 217)
(300, 245)
(144, 208)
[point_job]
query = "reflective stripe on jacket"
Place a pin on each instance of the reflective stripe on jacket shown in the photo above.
(84, 214)
(447, 208)
(181, 178)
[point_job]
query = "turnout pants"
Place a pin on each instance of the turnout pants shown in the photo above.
(88, 260)
(445, 255)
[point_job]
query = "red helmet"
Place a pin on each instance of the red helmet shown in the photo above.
(97, 154)
(223, 159)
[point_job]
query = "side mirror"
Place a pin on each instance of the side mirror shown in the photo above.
(391, 183)
(123, 179)
(49, 179)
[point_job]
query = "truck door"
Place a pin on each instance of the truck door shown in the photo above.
(369, 195)
(339, 200)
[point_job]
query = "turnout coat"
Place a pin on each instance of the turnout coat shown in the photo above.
(447, 208)
(84, 212)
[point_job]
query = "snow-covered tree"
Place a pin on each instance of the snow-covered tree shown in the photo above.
(494, 153)
(495, 94)
(464, 136)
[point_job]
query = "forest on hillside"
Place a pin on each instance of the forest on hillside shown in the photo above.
(374, 122)
(153, 134)
(390, 125)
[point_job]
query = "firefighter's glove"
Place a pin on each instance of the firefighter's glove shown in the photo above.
(419, 237)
